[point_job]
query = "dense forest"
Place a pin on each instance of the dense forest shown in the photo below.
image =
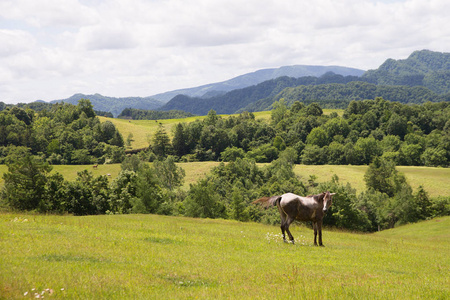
(336, 93)
(60, 133)
(422, 68)
(407, 134)
(376, 132)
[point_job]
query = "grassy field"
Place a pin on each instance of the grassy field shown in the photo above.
(143, 130)
(436, 181)
(158, 257)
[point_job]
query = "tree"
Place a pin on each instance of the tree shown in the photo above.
(232, 153)
(168, 173)
(279, 111)
(238, 207)
(202, 201)
(314, 109)
(211, 118)
(383, 177)
(161, 143)
(25, 180)
(85, 106)
(148, 190)
(314, 155)
(434, 157)
(318, 137)
(131, 163)
(179, 141)
(365, 150)
(397, 125)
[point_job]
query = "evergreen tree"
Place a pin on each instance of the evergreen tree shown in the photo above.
(161, 143)
(179, 141)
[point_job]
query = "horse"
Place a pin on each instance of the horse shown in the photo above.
(294, 207)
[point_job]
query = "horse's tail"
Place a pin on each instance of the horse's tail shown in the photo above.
(267, 201)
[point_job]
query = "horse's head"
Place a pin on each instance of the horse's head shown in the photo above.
(327, 200)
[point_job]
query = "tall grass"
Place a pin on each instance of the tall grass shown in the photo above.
(157, 257)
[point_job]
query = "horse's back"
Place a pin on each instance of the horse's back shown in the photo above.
(301, 208)
(291, 197)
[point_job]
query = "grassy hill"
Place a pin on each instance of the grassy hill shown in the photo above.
(436, 181)
(158, 257)
(142, 130)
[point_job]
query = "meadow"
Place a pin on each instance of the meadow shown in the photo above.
(436, 181)
(160, 257)
(143, 130)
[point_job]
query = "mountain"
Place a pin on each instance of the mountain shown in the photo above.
(423, 76)
(256, 77)
(238, 99)
(114, 105)
(422, 68)
(338, 95)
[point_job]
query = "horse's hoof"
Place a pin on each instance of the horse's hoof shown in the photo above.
(322, 245)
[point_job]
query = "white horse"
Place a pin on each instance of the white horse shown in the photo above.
(294, 207)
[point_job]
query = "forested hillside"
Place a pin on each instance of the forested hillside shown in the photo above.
(114, 105)
(338, 95)
(240, 99)
(422, 68)
(254, 78)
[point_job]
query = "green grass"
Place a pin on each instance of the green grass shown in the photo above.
(158, 257)
(143, 130)
(436, 181)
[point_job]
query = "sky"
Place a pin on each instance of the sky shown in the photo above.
(52, 49)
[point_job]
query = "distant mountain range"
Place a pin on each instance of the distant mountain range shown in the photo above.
(257, 90)
(249, 79)
(114, 105)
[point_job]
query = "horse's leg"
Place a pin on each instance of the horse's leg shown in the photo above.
(315, 233)
(288, 223)
(319, 228)
(283, 222)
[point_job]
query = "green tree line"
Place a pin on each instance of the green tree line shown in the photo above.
(415, 134)
(227, 192)
(142, 114)
(60, 133)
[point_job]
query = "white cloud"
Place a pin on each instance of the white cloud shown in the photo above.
(140, 47)
(15, 41)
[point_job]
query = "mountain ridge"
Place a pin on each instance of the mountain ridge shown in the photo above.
(425, 68)
(256, 77)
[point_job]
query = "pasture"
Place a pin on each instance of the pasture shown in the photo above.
(159, 257)
(436, 181)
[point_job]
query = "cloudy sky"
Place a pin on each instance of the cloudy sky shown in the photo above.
(52, 49)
